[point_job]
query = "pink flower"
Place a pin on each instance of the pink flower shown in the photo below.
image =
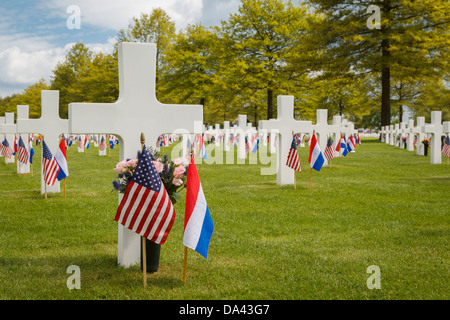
(132, 163)
(178, 172)
(121, 167)
(177, 161)
(158, 165)
(177, 182)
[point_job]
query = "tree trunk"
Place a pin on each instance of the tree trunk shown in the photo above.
(269, 104)
(385, 69)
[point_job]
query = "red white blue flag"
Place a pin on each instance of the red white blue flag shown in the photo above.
(198, 224)
(316, 158)
(61, 160)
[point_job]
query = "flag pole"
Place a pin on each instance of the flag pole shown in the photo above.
(65, 177)
(310, 169)
(144, 249)
(185, 264)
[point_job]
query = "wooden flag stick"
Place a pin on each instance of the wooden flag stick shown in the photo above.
(144, 249)
(65, 188)
(295, 180)
(185, 264)
(310, 178)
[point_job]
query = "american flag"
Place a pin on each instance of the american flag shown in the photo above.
(50, 168)
(415, 142)
(22, 152)
(446, 147)
(292, 159)
(102, 145)
(146, 207)
(7, 151)
(80, 142)
(329, 150)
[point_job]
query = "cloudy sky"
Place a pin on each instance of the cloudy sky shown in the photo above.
(34, 35)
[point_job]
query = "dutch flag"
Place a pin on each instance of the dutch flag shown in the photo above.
(316, 158)
(61, 160)
(198, 225)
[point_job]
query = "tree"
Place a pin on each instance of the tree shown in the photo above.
(156, 28)
(265, 35)
(412, 39)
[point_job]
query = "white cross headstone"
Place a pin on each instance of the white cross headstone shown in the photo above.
(285, 124)
(418, 130)
(401, 132)
(50, 125)
(387, 139)
(391, 135)
(446, 127)
(337, 120)
(227, 133)
(9, 129)
(217, 134)
(242, 131)
(323, 129)
(396, 135)
(2, 136)
(435, 129)
(136, 111)
(22, 113)
(409, 132)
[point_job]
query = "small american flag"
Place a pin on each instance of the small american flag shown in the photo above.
(102, 145)
(80, 142)
(446, 147)
(22, 152)
(292, 159)
(146, 207)
(50, 168)
(329, 150)
(7, 151)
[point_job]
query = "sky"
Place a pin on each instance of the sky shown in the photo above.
(35, 34)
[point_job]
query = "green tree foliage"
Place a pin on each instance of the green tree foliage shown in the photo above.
(412, 40)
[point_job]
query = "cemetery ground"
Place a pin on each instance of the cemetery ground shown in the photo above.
(384, 206)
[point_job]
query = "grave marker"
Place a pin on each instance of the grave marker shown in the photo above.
(136, 111)
(435, 129)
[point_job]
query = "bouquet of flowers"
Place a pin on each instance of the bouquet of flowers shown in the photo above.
(172, 174)
(426, 142)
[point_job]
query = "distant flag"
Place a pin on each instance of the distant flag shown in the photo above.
(15, 145)
(7, 152)
(80, 143)
(329, 150)
(415, 142)
(446, 147)
(292, 159)
(350, 144)
(255, 144)
(22, 152)
(102, 145)
(202, 149)
(31, 150)
(358, 139)
(61, 160)
(50, 166)
(86, 142)
(316, 158)
(341, 147)
(146, 207)
(111, 143)
(198, 224)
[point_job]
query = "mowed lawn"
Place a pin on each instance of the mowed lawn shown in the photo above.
(383, 206)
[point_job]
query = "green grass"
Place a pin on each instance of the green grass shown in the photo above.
(383, 206)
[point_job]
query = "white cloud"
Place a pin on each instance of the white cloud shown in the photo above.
(117, 14)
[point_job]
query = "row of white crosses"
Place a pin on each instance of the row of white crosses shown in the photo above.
(435, 129)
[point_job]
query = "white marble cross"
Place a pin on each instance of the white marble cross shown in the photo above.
(396, 135)
(22, 113)
(241, 130)
(50, 125)
(391, 135)
(435, 128)
(418, 130)
(136, 111)
(323, 129)
(446, 127)
(226, 138)
(409, 132)
(9, 129)
(401, 132)
(285, 124)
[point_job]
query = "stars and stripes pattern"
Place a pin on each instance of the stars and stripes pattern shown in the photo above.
(146, 207)
(329, 150)
(50, 168)
(102, 145)
(446, 147)
(22, 152)
(7, 152)
(292, 160)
